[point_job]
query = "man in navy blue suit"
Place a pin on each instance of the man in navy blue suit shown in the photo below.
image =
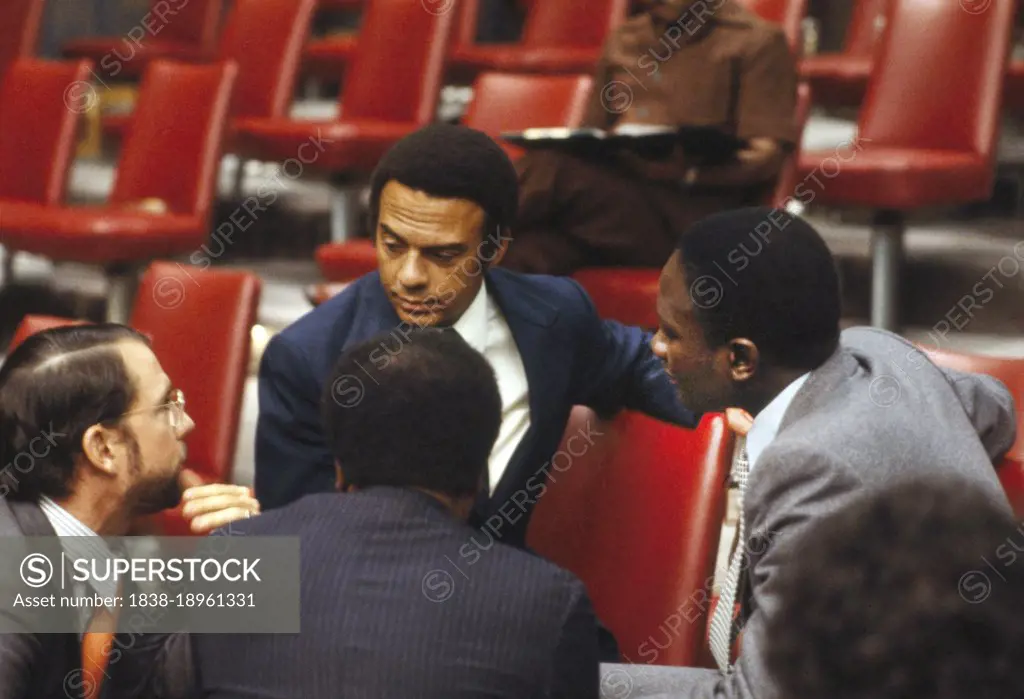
(443, 203)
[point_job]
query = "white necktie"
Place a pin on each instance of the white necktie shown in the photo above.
(722, 621)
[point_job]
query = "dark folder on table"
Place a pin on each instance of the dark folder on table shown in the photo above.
(705, 143)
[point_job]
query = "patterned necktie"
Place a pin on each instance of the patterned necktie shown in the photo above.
(723, 619)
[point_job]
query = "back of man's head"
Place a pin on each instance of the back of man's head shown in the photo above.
(420, 410)
(53, 387)
(765, 275)
(914, 592)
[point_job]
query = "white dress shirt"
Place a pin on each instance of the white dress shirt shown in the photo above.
(767, 422)
(483, 327)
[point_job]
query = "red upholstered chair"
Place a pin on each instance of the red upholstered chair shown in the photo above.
(559, 36)
(38, 132)
(172, 154)
(501, 102)
(1011, 372)
(19, 30)
(626, 294)
(200, 324)
(200, 321)
(1014, 90)
(634, 507)
(328, 57)
(841, 79)
(39, 113)
(180, 31)
(789, 177)
(514, 102)
(789, 14)
(392, 90)
(922, 144)
(32, 324)
(265, 39)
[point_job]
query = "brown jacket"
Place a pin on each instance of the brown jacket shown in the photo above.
(718, 65)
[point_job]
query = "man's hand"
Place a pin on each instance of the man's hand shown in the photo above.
(208, 507)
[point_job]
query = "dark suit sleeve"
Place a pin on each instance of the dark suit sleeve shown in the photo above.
(16, 653)
(292, 459)
(576, 664)
(616, 368)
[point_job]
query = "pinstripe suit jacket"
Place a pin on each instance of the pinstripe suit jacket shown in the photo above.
(401, 600)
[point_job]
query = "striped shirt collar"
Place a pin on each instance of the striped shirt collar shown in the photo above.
(79, 541)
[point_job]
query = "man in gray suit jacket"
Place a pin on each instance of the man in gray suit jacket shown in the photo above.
(750, 308)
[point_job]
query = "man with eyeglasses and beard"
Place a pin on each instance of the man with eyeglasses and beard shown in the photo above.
(91, 438)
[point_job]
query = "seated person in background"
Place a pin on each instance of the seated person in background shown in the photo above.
(442, 202)
(395, 600)
(92, 437)
(673, 63)
(836, 415)
(914, 593)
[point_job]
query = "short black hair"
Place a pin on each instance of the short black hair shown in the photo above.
(912, 592)
(413, 409)
(766, 275)
(452, 162)
(53, 387)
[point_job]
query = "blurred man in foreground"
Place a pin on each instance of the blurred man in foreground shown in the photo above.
(750, 307)
(443, 203)
(674, 63)
(92, 437)
(396, 600)
(917, 592)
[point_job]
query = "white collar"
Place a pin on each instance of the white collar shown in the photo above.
(472, 326)
(767, 422)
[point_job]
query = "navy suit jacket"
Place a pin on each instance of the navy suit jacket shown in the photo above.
(571, 357)
(400, 599)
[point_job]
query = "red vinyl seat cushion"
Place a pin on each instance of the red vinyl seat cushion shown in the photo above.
(836, 67)
(98, 234)
(563, 59)
(347, 145)
(900, 178)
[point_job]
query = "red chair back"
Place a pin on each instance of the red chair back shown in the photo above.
(200, 323)
(867, 25)
(468, 20)
(508, 102)
(559, 23)
(628, 295)
(789, 14)
(635, 510)
(39, 110)
(1011, 372)
(789, 177)
(173, 149)
(32, 324)
(19, 30)
(396, 72)
(265, 38)
(193, 22)
(939, 77)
